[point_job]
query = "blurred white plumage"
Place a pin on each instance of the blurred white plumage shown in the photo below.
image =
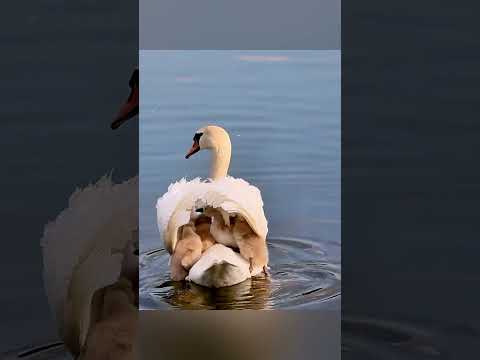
(87, 247)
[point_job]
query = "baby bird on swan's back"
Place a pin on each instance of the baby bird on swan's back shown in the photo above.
(187, 252)
(238, 234)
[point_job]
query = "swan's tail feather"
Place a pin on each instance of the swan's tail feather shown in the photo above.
(218, 275)
(219, 266)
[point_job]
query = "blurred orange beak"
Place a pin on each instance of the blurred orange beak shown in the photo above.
(128, 110)
(195, 148)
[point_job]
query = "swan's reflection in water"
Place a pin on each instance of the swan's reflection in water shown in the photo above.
(250, 294)
(301, 274)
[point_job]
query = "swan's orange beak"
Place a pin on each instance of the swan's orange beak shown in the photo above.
(195, 148)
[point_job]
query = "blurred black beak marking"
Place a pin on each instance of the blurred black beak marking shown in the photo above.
(131, 107)
(195, 146)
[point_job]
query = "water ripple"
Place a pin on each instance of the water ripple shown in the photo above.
(301, 274)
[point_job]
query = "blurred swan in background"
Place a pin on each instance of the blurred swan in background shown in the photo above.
(90, 258)
(227, 201)
(90, 263)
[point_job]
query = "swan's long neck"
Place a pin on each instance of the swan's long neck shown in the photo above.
(220, 161)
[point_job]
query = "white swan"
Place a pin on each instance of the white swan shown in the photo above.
(91, 245)
(228, 195)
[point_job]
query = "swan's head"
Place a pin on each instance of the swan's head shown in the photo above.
(210, 137)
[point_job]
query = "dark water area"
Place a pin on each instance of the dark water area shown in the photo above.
(410, 179)
(282, 110)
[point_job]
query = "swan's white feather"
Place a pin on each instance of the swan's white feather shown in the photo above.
(83, 249)
(235, 196)
(220, 266)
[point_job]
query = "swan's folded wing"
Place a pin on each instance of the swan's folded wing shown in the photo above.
(176, 193)
(173, 208)
(236, 196)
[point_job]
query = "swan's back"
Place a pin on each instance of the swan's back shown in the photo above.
(235, 196)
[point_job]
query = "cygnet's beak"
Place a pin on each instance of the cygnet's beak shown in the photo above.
(195, 148)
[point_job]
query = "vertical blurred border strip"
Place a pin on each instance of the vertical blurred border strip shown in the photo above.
(67, 70)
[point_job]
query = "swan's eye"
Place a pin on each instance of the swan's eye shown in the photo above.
(196, 138)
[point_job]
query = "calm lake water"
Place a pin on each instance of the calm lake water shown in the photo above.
(282, 110)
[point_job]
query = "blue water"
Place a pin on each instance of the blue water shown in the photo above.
(282, 110)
